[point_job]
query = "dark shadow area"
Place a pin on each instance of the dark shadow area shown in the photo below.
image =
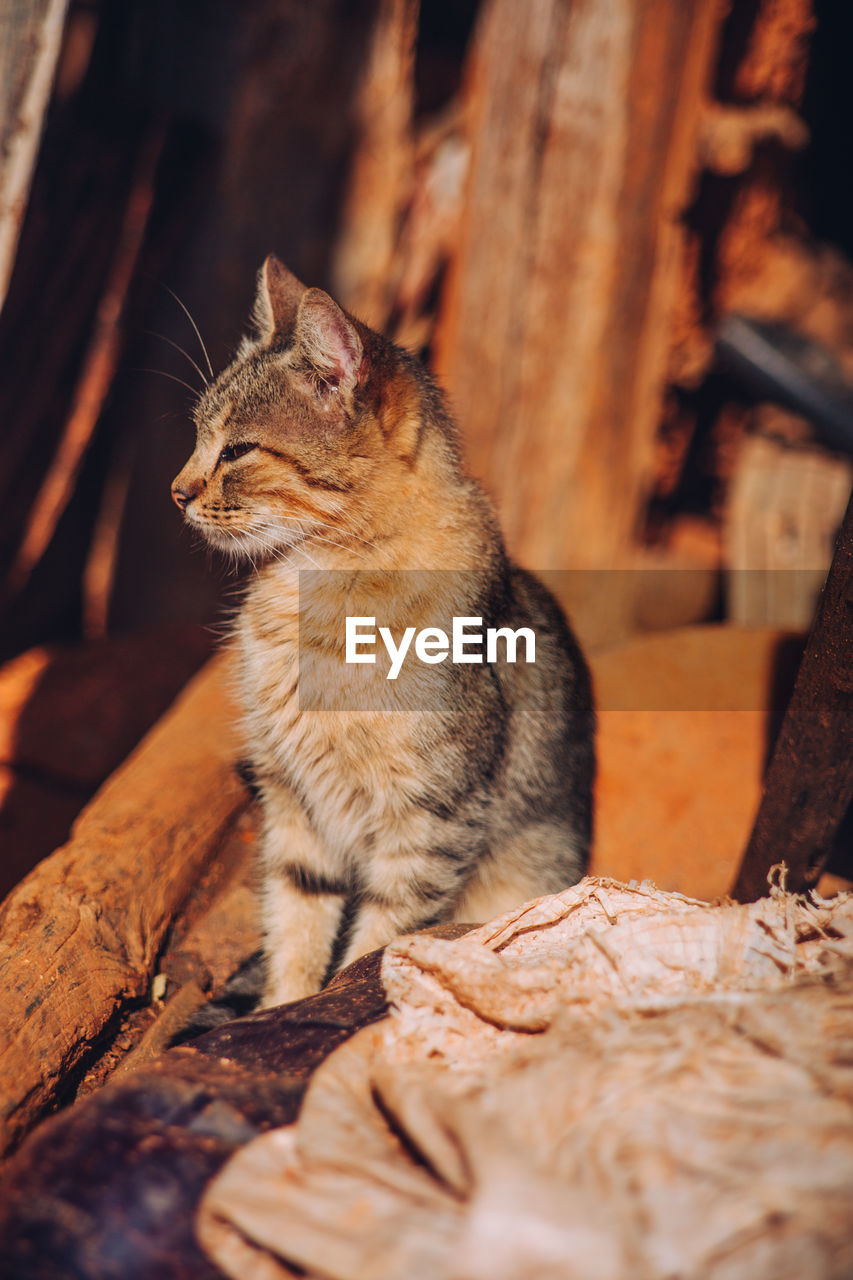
(250, 159)
(444, 30)
(825, 169)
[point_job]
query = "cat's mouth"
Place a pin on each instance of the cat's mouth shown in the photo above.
(254, 538)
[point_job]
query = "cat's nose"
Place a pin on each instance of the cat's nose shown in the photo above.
(181, 497)
(183, 491)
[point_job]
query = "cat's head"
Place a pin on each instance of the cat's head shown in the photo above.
(291, 437)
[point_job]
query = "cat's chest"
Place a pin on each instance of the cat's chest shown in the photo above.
(304, 710)
(268, 645)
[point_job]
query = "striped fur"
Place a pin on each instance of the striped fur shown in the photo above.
(324, 445)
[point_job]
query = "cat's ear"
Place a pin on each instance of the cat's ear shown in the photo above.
(328, 341)
(276, 301)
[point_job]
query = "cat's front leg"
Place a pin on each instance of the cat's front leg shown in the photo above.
(302, 900)
(402, 893)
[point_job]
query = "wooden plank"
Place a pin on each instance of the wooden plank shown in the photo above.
(785, 506)
(554, 335)
(809, 784)
(80, 936)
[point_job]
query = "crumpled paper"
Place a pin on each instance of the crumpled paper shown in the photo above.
(612, 1082)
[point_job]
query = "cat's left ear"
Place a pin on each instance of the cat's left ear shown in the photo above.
(276, 301)
(328, 341)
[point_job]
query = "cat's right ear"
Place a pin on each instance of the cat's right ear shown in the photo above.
(276, 301)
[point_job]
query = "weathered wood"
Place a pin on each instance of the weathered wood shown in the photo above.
(288, 144)
(30, 37)
(130, 1162)
(80, 936)
(554, 337)
(809, 784)
(215, 932)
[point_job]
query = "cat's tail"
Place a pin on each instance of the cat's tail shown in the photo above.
(239, 996)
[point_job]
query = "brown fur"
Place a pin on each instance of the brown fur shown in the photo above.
(379, 816)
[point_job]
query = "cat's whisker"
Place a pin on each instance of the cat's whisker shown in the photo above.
(335, 528)
(301, 548)
(278, 553)
(255, 529)
(329, 542)
(151, 333)
(194, 325)
(240, 549)
(164, 374)
(323, 525)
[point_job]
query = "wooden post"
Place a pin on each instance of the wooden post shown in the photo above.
(555, 331)
(809, 783)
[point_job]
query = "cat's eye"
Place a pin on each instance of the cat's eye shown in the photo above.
(233, 451)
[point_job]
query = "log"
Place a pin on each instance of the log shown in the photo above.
(809, 783)
(67, 1195)
(213, 938)
(554, 336)
(79, 938)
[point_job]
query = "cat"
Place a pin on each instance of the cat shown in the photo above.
(327, 457)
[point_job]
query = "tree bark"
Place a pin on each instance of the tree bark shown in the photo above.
(809, 784)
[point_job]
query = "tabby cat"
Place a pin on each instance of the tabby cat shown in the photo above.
(324, 447)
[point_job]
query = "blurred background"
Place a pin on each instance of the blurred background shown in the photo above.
(619, 231)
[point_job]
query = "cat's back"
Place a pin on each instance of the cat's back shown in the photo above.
(549, 763)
